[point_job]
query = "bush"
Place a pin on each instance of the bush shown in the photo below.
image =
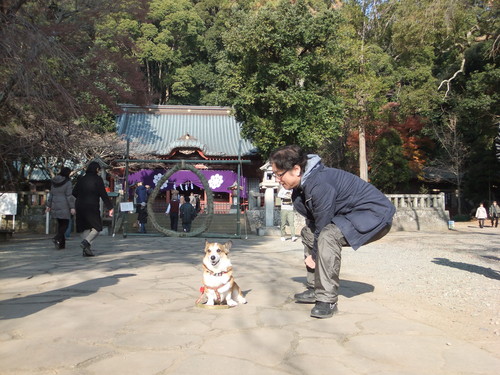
(461, 218)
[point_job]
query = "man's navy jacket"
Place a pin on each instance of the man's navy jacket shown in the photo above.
(329, 195)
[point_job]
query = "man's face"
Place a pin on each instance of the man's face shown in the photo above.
(289, 179)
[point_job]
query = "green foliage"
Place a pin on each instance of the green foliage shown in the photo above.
(311, 72)
(390, 169)
(277, 72)
(461, 218)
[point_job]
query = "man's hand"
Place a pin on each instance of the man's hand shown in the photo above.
(309, 261)
(72, 211)
(110, 213)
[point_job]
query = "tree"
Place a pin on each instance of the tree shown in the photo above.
(390, 169)
(367, 72)
(56, 83)
(278, 74)
(451, 163)
(169, 47)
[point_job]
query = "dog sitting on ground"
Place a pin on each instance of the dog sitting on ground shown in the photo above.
(218, 281)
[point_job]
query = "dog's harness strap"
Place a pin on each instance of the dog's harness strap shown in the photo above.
(216, 288)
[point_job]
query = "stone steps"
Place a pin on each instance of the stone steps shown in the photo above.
(224, 224)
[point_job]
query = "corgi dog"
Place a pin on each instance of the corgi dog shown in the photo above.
(219, 286)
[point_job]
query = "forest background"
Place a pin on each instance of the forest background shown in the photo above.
(401, 92)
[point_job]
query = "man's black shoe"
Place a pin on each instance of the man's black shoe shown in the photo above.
(307, 296)
(85, 245)
(324, 310)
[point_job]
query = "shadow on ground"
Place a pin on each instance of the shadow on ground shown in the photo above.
(23, 306)
(486, 272)
(347, 288)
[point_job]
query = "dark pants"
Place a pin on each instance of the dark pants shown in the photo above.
(174, 221)
(186, 227)
(62, 226)
(494, 221)
(325, 278)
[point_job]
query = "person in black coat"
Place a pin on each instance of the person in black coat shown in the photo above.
(87, 192)
(187, 214)
(340, 210)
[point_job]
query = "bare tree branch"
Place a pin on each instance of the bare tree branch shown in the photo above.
(448, 81)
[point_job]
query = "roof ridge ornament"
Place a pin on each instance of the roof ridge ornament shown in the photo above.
(187, 136)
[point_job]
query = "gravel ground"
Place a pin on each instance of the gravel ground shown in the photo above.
(449, 279)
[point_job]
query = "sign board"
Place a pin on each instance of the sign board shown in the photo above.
(126, 206)
(8, 203)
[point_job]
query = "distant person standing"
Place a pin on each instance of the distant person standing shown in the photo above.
(61, 205)
(192, 200)
(198, 203)
(141, 199)
(287, 214)
(494, 213)
(173, 211)
(142, 217)
(142, 193)
(187, 213)
(481, 215)
(87, 191)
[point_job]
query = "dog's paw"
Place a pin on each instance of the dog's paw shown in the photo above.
(242, 300)
(210, 302)
(231, 303)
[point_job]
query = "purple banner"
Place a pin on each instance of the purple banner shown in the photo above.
(218, 180)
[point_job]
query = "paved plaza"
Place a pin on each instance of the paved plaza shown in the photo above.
(131, 309)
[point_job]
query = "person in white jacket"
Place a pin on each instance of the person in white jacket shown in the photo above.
(481, 215)
(287, 214)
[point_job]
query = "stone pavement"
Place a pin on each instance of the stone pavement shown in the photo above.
(131, 310)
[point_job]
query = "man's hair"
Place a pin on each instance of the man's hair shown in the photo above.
(65, 172)
(93, 167)
(286, 157)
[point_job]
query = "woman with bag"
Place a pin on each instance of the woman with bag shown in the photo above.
(61, 205)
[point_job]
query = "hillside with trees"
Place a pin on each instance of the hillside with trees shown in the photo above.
(402, 92)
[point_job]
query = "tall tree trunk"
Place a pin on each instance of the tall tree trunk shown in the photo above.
(363, 165)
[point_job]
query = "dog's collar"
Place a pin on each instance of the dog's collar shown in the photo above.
(229, 269)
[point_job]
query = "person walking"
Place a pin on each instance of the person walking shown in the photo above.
(61, 205)
(187, 213)
(481, 215)
(494, 212)
(287, 213)
(141, 199)
(173, 211)
(87, 191)
(340, 210)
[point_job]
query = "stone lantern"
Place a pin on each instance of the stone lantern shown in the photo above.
(268, 184)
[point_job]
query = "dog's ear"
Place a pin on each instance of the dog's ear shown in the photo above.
(228, 245)
(206, 246)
